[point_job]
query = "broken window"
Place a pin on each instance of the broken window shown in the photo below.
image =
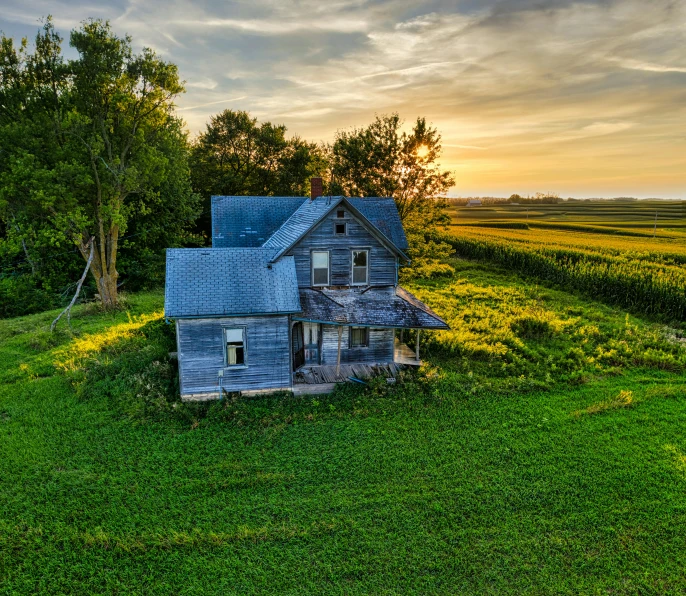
(234, 340)
(360, 267)
(339, 229)
(359, 337)
(320, 268)
(340, 213)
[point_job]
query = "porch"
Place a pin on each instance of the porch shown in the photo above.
(322, 378)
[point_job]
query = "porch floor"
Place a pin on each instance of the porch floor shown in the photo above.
(315, 375)
(331, 374)
(402, 354)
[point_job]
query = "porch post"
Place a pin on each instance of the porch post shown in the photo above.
(416, 348)
(401, 335)
(338, 358)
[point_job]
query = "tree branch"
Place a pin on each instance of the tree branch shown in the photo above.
(78, 289)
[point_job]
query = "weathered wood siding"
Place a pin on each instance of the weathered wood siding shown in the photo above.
(201, 354)
(382, 263)
(380, 347)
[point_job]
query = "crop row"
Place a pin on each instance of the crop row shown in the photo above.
(651, 288)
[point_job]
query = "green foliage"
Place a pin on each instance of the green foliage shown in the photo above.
(421, 487)
(508, 336)
(19, 295)
(650, 283)
(382, 161)
(89, 146)
(236, 155)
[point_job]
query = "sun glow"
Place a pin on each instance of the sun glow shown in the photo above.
(422, 151)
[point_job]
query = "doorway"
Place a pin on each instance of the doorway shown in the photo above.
(311, 342)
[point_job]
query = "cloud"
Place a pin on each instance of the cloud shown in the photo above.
(647, 66)
(574, 96)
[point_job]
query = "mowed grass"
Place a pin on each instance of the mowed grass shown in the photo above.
(443, 484)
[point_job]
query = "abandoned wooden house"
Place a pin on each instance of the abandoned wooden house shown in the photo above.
(296, 293)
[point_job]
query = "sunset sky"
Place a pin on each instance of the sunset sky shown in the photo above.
(578, 98)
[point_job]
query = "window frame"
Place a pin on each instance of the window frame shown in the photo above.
(340, 213)
(328, 268)
(244, 330)
(366, 338)
(352, 266)
(340, 223)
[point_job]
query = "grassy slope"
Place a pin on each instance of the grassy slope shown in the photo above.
(434, 487)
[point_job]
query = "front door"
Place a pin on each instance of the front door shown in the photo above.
(298, 347)
(311, 335)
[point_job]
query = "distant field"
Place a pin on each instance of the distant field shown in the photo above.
(613, 217)
(606, 250)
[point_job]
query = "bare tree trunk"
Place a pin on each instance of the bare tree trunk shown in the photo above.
(78, 289)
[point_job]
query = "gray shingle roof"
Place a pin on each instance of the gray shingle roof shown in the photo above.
(313, 211)
(249, 221)
(308, 214)
(228, 281)
(383, 213)
(375, 307)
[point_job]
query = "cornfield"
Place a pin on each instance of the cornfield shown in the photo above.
(646, 281)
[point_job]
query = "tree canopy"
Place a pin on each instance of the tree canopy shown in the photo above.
(90, 145)
(237, 155)
(382, 160)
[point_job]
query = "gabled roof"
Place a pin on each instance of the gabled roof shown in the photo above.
(302, 220)
(249, 221)
(383, 213)
(310, 213)
(374, 307)
(210, 282)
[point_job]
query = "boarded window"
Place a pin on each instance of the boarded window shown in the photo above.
(360, 267)
(235, 346)
(320, 268)
(359, 337)
(339, 229)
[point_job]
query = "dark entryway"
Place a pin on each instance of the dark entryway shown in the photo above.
(306, 344)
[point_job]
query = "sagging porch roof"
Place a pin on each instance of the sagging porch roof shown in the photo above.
(374, 307)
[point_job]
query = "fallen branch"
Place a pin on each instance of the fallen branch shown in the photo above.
(78, 289)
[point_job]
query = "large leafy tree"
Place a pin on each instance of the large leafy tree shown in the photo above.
(383, 160)
(237, 155)
(91, 144)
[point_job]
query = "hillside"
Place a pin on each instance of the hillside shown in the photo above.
(540, 450)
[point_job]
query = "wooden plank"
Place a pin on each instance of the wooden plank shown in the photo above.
(201, 354)
(382, 263)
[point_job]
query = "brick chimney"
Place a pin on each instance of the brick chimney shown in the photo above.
(316, 188)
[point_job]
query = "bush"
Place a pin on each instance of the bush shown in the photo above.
(20, 295)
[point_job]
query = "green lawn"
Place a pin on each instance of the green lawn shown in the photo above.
(471, 477)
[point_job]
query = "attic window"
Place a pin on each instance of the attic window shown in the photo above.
(340, 229)
(340, 213)
(234, 340)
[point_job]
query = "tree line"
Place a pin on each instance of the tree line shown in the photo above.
(93, 154)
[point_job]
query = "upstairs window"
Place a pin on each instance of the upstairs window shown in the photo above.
(339, 229)
(234, 340)
(360, 267)
(320, 268)
(340, 213)
(359, 337)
